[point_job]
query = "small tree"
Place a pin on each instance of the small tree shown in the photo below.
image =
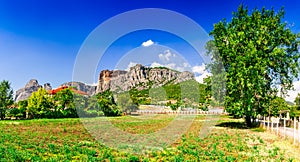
(176, 105)
(107, 104)
(6, 97)
(276, 105)
(22, 106)
(125, 103)
(297, 101)
(81, 104)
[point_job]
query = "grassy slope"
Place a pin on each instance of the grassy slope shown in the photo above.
(67, 139)
(191, 90)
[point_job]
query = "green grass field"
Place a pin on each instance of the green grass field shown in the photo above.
(68, 140)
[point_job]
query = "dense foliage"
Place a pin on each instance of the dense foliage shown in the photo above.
(277, 104)
(297, 101)
(39, 104)
(64, 101)
(258, 53)
(6, 97)
(107, 104)
(125, 103)
(189, 93)
(63, 104)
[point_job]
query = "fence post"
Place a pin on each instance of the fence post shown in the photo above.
(264, 122)
(268, 127)
(284, 125)
(294, 130)
(299, 130)
(272, 125)
(278, 119)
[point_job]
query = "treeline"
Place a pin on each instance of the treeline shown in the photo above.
(41, 104)
(67, 104)
(191, 91)
(185, 94)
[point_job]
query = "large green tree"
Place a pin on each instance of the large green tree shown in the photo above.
(64, 101)
(259, 52)
(39, 104)
(6, 97)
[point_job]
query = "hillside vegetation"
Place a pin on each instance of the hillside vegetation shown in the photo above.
(189, 93)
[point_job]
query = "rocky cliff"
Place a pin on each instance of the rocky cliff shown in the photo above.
(139, 77)
(31, 86)
(89, 89)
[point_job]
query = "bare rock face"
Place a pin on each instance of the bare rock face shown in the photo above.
(25, 93)
(139, 77)
(47, 87)
(33, 86)
(104, 80)
(184, 76)
(89, 89)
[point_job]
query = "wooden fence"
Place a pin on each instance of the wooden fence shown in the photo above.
(284, 127)
(179, 112)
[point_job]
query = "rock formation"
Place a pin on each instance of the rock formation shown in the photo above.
(139, 77)
(47, 87)
(33, 86)
(25, 93)
(89, 89)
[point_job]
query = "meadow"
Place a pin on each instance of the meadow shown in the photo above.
(69, 140)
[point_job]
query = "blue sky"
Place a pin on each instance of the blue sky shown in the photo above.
(40, 39)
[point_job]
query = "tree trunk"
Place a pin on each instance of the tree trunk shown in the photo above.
(248, 121)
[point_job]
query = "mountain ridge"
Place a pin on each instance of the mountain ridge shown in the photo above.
(138, 76)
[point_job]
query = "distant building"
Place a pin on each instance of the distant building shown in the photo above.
(54, 91)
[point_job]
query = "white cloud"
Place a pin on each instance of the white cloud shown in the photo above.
(199, 69)
(147, 43)
(186, 65)
(92, 84)
(204, 75)
(156, 64)
(131, 64)
(293, 93)
(170, 66)
(166, 56)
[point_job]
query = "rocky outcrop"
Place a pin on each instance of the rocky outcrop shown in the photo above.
(33, 86)
(47, 87)
(89, 89)
(25, 93)
(139, 77)
(184, 76)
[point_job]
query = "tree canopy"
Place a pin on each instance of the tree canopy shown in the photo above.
(64, 101)
(259, 54)
(6, 97)
(39, 104)
(107, 104)
(297, 101)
